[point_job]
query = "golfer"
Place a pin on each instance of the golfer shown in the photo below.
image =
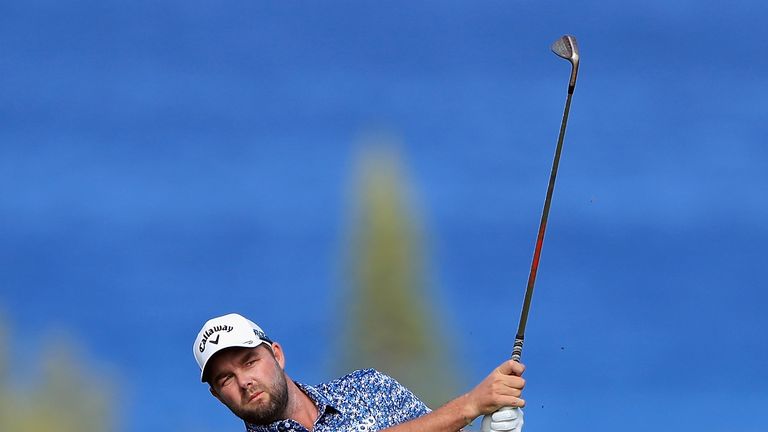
(245, 370)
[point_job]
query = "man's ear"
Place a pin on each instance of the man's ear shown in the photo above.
(214, 393)
(277, 351)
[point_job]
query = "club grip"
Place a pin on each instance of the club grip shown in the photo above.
(517, 349)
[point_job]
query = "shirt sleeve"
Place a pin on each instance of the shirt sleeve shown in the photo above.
(391, 402)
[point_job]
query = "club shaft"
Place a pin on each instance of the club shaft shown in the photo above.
(517, 350)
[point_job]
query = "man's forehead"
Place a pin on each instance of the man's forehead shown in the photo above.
(222, 358)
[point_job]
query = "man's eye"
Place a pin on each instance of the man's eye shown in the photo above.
(250, 363)
(225, 380)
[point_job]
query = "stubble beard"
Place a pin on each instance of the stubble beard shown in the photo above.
(275, 406)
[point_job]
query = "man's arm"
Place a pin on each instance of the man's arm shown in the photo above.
(502, 387)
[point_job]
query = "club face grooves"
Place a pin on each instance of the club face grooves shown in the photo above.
(566, 48)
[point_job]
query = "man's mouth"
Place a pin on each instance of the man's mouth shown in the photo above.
(254, 396)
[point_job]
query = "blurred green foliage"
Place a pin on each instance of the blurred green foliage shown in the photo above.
(389, 321)
(61, 396)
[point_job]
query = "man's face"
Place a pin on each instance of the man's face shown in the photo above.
(250, 382)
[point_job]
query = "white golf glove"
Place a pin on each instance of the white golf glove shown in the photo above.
(505, 419)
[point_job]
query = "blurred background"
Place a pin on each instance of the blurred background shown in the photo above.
(365, 181)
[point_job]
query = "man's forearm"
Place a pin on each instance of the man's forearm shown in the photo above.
(450, 417)
(502, 388)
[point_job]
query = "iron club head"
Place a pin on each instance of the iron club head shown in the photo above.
(567, 48)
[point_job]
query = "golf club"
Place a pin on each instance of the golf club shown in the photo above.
(566, 48)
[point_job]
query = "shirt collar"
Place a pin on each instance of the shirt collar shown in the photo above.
(321, 401)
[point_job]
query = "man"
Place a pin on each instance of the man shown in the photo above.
(245, 370)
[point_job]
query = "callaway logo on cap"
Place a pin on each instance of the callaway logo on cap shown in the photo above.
(226, 331)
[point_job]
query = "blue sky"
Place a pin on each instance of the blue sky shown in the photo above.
(164, 162)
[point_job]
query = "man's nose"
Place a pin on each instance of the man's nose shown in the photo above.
(243, 380)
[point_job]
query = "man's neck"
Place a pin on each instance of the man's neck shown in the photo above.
(300, 407)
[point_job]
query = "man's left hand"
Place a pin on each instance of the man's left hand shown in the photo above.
(506, 419)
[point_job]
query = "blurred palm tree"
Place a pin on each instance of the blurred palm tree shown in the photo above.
(389, 320)
(64, 398)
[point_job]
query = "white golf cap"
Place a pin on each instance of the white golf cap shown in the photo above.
(223, 332)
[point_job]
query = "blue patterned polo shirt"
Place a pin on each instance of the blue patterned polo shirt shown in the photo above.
(363, 401)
